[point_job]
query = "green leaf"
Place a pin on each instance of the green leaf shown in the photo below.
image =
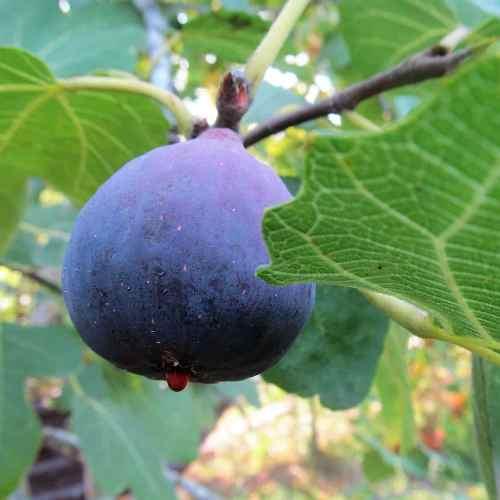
(415, 463)
(383, 32)
(24, 352)
(410, 212)
(394, 391)
(40, 351)
(126, 419)
(337, 353)
(375, 467)
(20, 435)
(486, 32)
(486, 406)
(95, 35)
(42, 235)
(231, 36)
(91, 133)
(12, 200)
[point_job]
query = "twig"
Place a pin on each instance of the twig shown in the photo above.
(76, 491)
(432, 63)
(70, 444)
(62, 440)
(34, 276)
(61, 436)
(196, 490)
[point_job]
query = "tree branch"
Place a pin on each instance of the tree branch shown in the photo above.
(432, 63)
(69, 444)
(196, 490)
(63, 441)
(34, 276)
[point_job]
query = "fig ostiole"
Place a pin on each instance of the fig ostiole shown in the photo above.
(159, 275)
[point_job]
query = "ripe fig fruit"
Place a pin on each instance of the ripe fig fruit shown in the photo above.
(159, 275)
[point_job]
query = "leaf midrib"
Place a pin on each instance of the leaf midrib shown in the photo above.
(136, 456)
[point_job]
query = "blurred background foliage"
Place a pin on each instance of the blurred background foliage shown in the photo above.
(357, 409)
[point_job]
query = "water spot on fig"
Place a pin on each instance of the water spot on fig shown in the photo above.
(184, 268)
(148, 282)
(152, 321)
(233, 209)
(106, 304)
(179, 228)
(129, 288)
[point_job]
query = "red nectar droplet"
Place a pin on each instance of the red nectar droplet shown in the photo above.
(177, 381)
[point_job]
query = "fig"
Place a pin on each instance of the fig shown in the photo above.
(159, 275)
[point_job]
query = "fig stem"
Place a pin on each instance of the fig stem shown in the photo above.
(273, 41)
(166, 98)
(233, 100)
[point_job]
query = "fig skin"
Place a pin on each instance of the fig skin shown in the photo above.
(159, 275)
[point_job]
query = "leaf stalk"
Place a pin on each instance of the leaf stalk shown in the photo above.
(164, 97)
(273, 41)
(421, 324)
